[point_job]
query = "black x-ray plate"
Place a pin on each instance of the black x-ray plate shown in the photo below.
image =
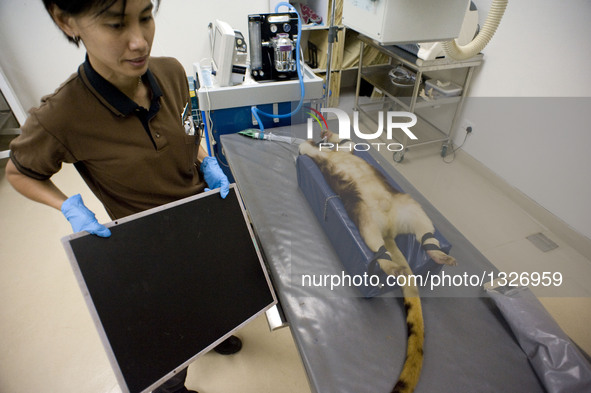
(170, 284)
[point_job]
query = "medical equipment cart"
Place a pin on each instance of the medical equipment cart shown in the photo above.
(227, 109)
(416, 96)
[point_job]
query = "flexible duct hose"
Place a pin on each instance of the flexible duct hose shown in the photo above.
(452, 49)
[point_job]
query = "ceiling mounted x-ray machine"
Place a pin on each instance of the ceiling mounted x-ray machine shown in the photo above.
(410, 21)
(402, 21)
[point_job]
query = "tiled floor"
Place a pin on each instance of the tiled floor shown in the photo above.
(48, 342)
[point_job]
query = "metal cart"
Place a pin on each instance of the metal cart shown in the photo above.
(409, 97)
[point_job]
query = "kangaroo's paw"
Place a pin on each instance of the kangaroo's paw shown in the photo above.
(442, 258)
(330, 136)
(392, 268)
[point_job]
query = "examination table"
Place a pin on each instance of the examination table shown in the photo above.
(349, 343)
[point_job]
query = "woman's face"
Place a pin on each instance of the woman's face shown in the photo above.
(118, 42)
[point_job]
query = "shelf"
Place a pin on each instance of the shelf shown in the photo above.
(314, 27)
(9, 128)
(11, 116)
(413, 61)
(379, 78)
(408, 97)
(317, 34)
(425, 131)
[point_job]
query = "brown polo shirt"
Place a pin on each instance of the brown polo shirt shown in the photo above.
(132, 158)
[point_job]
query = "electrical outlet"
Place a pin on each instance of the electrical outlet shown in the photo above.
(467, 126)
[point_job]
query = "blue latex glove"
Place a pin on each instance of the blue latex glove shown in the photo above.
(214, 176)
(81, 218)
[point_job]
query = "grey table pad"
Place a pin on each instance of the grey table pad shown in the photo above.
(352, 344)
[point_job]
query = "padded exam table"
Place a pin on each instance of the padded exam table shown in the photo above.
(352, 344)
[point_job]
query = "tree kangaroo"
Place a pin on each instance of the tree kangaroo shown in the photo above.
(381, 213)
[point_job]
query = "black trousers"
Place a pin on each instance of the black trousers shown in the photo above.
(175, 384)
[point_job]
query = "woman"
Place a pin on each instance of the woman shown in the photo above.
(118, 119)
(121, 120)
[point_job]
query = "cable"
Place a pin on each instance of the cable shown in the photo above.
(209, 131)
(207, 118)
(256, 111)
(453, 151)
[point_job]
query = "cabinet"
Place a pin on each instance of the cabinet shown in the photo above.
(11, 116)
(437, 114)
(223, 109)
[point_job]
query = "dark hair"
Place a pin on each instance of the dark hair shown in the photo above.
(81, 7)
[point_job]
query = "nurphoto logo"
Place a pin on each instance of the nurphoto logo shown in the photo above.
(345, 129)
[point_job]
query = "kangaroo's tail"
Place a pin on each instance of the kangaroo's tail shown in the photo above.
(411, 370)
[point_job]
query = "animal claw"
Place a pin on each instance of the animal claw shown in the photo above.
(442, 258)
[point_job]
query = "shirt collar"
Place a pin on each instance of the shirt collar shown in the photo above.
(114, 96)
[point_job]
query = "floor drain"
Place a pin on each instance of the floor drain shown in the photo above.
(542, 242)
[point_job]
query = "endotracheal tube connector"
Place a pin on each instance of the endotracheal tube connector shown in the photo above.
(255, 134)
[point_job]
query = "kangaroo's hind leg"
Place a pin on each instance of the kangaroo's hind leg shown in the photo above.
(393, 262)
(402, 266)
(413, 219)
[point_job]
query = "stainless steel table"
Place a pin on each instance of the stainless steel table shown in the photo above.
(352, 344)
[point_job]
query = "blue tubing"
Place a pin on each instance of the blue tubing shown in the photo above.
(256, 111)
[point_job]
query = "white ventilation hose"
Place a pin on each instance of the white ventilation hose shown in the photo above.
(452, 49)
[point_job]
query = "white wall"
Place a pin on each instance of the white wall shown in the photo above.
(531, 105)
(36, 57)
(181, 25)
(542, 49)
